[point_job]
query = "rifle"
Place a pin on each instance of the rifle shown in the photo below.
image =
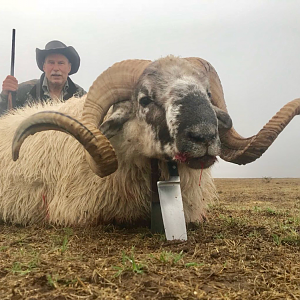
(11, 101)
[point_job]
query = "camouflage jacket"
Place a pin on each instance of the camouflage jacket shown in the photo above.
(31, 91)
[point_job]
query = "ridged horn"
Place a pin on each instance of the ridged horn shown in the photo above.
(235, 148)
(242, 151)
(113, 85)
(100, 154)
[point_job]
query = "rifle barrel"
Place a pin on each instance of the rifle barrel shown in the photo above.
(10, 103)
(12, 65)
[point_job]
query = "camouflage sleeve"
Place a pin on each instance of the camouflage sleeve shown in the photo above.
(3, 103)
(80, 91)
(23, 92)
(21, 97)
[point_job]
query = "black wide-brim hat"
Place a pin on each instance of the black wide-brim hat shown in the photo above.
(58, 47)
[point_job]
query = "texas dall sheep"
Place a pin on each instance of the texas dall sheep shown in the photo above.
(137, 110)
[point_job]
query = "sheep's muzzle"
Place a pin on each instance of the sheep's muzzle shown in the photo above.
(202, 162)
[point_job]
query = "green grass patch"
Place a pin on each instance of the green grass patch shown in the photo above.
(129, 264)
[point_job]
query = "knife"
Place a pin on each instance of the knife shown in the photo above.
(171, 205)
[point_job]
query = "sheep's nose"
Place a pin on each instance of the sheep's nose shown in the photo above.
(199, 136)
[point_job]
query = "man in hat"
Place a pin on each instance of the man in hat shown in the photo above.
(57, 61)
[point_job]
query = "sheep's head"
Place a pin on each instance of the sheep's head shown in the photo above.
(179, 102)
(172, 103)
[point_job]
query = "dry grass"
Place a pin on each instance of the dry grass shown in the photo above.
(249, 249)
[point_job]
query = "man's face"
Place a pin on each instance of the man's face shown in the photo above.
(56, 68)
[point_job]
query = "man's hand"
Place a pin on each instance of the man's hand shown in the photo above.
(10, 84)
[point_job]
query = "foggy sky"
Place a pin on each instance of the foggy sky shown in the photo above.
(253, 45)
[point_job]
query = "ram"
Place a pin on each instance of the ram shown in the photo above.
(136, 111)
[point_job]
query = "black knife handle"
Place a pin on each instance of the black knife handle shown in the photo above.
(173, 168)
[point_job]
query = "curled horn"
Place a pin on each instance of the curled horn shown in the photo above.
(100, 154)
(235, 148)
(113, 85)
(242, 151)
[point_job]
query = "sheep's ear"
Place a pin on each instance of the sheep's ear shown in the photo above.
(121, 113)
(224, 120)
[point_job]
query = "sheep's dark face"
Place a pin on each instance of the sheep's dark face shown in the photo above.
(171, 104)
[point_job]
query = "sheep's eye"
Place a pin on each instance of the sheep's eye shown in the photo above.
(209, 94)
(144, 101)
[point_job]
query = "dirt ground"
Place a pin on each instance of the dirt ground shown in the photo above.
(248, 249)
